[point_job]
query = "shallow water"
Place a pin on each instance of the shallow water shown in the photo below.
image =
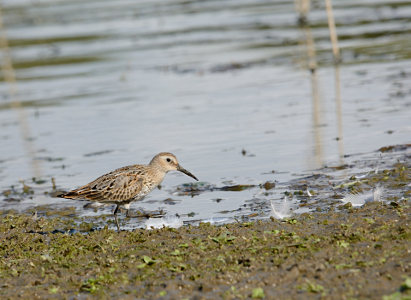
(110, 83)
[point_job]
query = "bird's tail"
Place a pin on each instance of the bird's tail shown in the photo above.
(84, 193)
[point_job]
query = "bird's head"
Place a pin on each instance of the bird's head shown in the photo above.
(166, 162)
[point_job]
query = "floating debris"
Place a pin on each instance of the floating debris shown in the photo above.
(98, 153)
(217, 220)
(281, 210)
(268, 185)
(170, 201)
(53, 183)
(246, 153)
(169, 221)
(359, 199)
(237, 187)
(197, 188)
(394, 148)
(193, 189)
(308, 192)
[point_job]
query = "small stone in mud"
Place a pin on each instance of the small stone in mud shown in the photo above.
(347, 205)
(268, 185)
(394, 204)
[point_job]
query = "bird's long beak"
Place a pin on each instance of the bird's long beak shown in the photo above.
(181, 169)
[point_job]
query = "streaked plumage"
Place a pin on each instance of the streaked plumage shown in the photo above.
(129, 183)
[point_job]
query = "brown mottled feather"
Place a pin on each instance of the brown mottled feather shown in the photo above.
(119, 186)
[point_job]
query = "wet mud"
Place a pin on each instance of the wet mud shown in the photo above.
(334, 251)
(352, 253)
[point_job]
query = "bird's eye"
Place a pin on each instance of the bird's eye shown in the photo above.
(168, 159)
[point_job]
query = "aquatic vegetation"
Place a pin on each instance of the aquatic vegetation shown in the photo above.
(260, 259)
(52, 252)
(258, 293)
(312, 287)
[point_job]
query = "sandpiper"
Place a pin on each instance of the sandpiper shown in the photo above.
(127, 184)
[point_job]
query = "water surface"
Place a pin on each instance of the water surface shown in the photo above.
(225, 85)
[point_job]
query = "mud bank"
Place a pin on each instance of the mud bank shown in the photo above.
(335, 252)
(351, 253)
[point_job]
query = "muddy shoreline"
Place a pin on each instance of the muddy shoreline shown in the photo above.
(356, 252)
(337, 252)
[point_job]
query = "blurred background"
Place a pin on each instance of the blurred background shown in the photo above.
(242, 91)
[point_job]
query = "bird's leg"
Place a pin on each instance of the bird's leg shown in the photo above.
(115, 217)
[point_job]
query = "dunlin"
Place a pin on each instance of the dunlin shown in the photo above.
(127, 184)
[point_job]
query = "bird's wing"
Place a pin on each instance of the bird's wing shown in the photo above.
(112, 187)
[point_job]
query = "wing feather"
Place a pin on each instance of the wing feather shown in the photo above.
(118, 186)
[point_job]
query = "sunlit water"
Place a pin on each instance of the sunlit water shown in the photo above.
(111, 83)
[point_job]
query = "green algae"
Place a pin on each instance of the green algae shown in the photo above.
(354, 252)
(320, 253)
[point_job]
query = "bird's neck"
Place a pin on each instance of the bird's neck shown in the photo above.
(157, 175)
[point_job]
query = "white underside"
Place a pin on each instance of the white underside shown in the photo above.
(99, 204)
